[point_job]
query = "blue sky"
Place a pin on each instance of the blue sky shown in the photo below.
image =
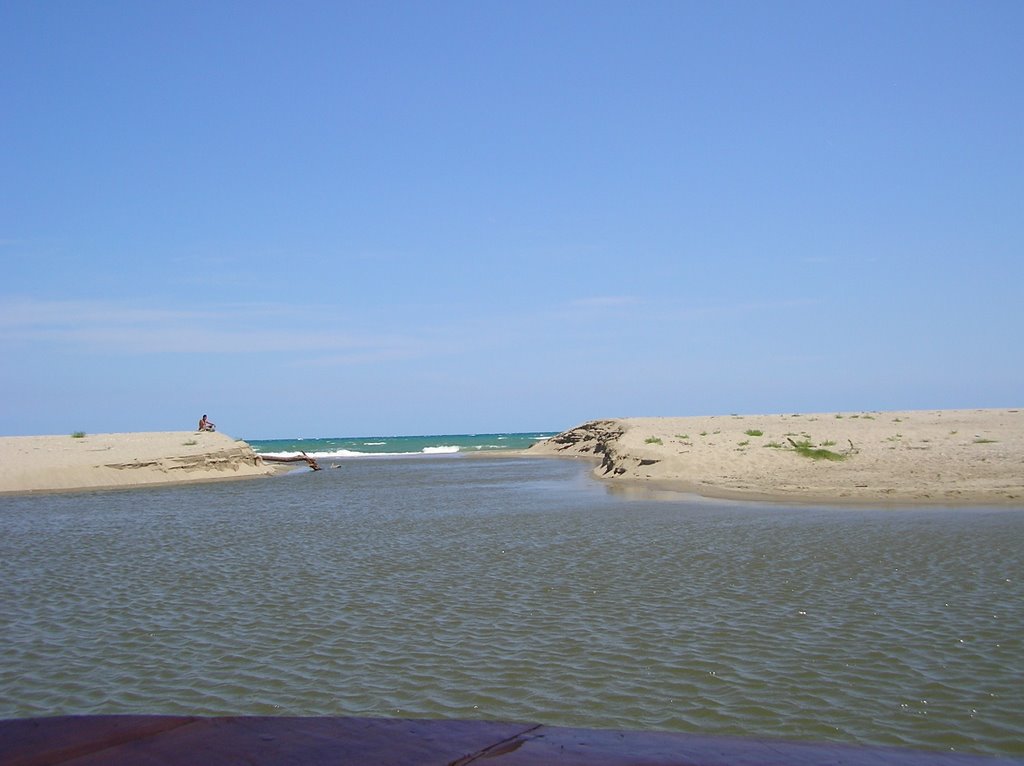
(323, 218)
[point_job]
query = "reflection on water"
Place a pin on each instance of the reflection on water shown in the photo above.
(519, 590)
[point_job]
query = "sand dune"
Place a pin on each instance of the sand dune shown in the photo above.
(51, 463)
(949, 457)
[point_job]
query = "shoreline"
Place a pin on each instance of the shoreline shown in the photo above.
(45, 464)
(877, 459)
(951, 458)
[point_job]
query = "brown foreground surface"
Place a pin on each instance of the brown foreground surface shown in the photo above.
(174, 740)
(95, 461)
(945, 457)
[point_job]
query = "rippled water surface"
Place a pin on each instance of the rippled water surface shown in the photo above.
(520, 590)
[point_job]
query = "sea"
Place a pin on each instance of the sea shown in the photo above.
(397, 446)
(407, 579)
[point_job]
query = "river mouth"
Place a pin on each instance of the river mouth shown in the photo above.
(515, 589)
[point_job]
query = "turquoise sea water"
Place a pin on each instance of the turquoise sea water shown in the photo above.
(394, 446)
(515, 588)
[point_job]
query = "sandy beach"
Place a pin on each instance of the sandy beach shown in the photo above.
(944, 457)
(94, 461)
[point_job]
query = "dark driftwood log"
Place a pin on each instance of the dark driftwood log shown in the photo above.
(303, 458)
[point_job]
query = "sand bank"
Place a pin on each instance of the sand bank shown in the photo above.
(94, 461)
(946, 457)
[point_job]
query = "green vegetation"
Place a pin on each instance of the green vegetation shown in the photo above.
(828, 443)
(984, 441)
(773, 445)
(682, 436)
(652, 440)
(189, 443)
(744, 443)
(840, 417)
(78, 435)
(806, 449)
(754, 432)
(703, 433)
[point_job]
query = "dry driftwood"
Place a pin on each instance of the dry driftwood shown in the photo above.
(300, 458)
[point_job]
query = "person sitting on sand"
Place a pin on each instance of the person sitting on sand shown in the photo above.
(206, 425)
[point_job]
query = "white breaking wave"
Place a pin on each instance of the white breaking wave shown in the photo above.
(441, 450)
(337, 453)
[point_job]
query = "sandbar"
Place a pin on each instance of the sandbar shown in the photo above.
(915, 457)
(102, 461)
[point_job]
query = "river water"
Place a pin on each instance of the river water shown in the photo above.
(516, 589)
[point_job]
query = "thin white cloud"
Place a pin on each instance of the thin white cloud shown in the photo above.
(30, 313)
(133, 328)
(590, 308)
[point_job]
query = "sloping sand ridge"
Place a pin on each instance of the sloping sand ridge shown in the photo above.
(48, 463)
(951, 457)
